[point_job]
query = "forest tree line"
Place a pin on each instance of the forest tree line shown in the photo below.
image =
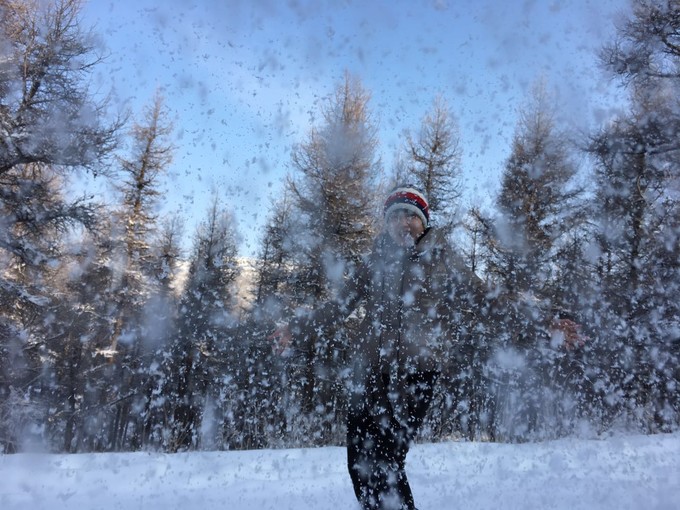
(112, 338)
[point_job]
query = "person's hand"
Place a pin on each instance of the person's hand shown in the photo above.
(567, 333)
(282, 338)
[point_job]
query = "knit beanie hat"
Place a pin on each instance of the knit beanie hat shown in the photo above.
(410, 199)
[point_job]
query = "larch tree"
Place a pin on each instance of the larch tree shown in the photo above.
(141, 174)
(335, 173)
(47, 113)
(135, 285)
(637, 221)
(162, 309)
(273, 267)
(76, 379)
(433, 162)
(202, 363)
(539, 213)
(536, 201)
(50, 124)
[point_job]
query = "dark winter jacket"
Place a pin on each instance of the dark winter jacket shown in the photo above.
(417, 302)
(423, 311)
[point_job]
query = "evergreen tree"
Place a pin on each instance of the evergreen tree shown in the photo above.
(637, 226)
(203, 341)
(334, 207)
(134, 286)
(539, 216)
(51, 124)
(536, 202)
(433, 162)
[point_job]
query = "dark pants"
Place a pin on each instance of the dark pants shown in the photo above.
(377, 442)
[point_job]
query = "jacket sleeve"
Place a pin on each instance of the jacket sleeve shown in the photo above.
(330, 315)
(486, 311)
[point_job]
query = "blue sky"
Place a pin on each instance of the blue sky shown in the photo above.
(243, 80)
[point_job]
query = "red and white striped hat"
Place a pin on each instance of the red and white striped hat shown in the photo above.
(410, 199)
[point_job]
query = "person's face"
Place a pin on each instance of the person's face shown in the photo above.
(404, 227)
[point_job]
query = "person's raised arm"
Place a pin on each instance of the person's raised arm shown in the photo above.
(326, 317)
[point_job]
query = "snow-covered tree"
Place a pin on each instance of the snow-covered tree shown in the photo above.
(637, 235)
(48, 115)
(636, 214)
(135, 286)
(50, 124)
(273, 263)
(198, 365)
(523, 251)
(335, 173)
(140, 186)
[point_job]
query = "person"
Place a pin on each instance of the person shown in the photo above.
(418, 297)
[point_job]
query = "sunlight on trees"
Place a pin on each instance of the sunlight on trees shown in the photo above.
(112, 338)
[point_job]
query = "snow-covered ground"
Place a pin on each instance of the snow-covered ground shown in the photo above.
(624, 472)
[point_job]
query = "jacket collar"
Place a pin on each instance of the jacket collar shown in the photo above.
(425, 242)
(386, 248)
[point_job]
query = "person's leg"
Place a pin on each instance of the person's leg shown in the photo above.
(360, 458)
(420, 389)
(377, 443)
(389, 477)
(363, 454)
